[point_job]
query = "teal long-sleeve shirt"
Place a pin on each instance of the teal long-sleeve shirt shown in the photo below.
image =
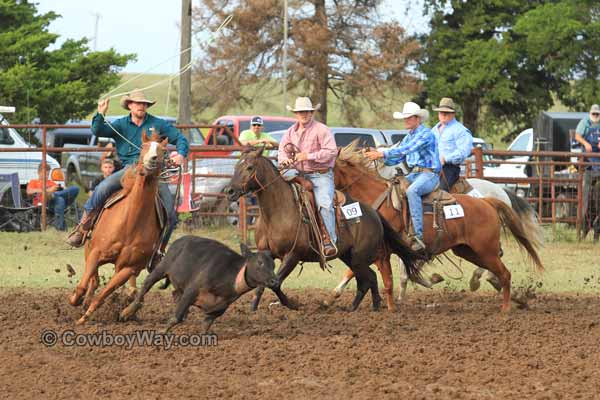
(125, 126)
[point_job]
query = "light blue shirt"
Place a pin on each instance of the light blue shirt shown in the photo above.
(419, 148)
(455, 142)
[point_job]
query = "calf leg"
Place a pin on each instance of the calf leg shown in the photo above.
(188, 298)
(288, 264)
(156, 275)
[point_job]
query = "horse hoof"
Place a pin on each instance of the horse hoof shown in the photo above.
(436, 278)
(130, 293)
(75, 300)
(474, 282)
(81, 321)
(129, 312)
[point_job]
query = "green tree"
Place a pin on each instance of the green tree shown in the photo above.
(54, 85)
(474, 55)
(563, 39)
(341, 47)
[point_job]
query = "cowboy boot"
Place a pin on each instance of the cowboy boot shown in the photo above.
(329, 249)
(77, 237)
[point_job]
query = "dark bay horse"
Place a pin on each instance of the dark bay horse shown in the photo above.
(281, 230)
(474, 237)
(126, 232)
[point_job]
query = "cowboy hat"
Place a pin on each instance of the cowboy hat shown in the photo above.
(411, 109)
(446, 105)
(137, 96)
(303, 104)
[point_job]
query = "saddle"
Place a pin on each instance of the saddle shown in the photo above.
(433, 204)
(461, 186)
(305, 197)
(159, 208)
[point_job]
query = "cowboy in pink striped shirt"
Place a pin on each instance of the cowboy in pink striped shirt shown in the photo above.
(313, 156)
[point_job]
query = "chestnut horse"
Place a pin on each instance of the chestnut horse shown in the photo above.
(281, 228)
(126, 232)
(474, 237)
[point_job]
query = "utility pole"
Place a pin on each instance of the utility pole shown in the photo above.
(97, 15)
(185, 58)
(285, 42)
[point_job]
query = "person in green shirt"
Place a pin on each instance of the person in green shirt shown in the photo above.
(255, 136)
(127, 133)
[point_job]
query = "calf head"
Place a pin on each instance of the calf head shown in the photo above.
(259, 268)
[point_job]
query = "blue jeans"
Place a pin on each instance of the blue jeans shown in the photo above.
(112, 184)
(324, 189)
(59, 202)
(421, 184)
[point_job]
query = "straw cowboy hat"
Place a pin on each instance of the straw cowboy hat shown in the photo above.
(137, 96)
(446, 105)
(411, 109)
(303, 104)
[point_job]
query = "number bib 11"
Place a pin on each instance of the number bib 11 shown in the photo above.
(454, 211)
(352, 211)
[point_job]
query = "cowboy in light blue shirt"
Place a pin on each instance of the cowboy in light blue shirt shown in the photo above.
(455, 143)
(419, 148)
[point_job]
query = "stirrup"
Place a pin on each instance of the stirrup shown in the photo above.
(417, 244)
(330, 249)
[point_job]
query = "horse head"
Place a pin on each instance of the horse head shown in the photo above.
(152, 154)
(249, 171)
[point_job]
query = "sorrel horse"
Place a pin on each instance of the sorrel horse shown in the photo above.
(474, 237)
(282, 230)
(126, 232)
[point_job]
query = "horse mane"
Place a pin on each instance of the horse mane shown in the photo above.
(128, 180)
(351, 155)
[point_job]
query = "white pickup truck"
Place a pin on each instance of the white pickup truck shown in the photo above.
(24, 163)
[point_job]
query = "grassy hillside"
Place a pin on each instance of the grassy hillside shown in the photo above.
(270, 102)
(158, 93)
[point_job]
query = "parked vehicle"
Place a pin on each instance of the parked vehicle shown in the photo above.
(24, 163)
(227, 137)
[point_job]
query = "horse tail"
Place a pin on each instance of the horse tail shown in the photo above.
(412, 260)
(510, 220)
(528, 217)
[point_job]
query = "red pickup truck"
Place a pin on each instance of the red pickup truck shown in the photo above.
(209, 186)
(239, 123)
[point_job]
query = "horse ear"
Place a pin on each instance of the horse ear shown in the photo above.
(245, 250)
(164, 142)
(260, 151)
(144, 137)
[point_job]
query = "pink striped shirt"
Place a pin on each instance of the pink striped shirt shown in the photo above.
(317, 141)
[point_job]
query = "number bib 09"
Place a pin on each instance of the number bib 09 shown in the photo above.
(352, 211)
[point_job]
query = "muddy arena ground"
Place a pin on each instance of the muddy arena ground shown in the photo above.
(442, 345)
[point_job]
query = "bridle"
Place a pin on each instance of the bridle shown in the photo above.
(261, 186)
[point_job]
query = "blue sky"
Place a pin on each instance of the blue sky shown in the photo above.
(150, 28)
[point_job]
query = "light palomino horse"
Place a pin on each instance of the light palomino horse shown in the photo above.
(474, 237)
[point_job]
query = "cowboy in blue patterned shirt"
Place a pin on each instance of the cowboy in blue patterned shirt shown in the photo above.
(419, 148)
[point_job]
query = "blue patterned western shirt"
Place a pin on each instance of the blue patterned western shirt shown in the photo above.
(419, 148)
